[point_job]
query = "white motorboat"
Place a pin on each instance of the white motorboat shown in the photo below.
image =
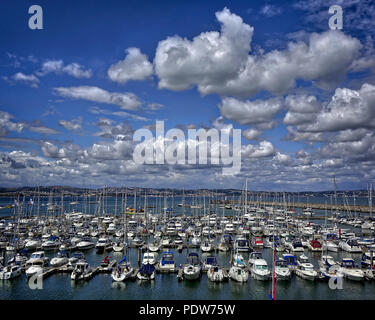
(259, 270)
(282, 271)
(103, 244)
(10, 272)
(51, 244)
(305, 270)
(85, 244)
(82, 271)
(350, 245)
(33, 244)
(77, 256)
(350, 270)
(238, 274)
(255, 255)
(60, 259)
(37, 266)
(192, 269)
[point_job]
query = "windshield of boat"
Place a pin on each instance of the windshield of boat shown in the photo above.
(261, 267)
(36, 255)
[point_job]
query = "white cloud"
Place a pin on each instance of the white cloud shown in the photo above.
(251, 134)
(210, 58)
(135, 66)
(250, 112)
(264, 149)
(29, 79)
(57, 66)
(73, 125)
(127, 101)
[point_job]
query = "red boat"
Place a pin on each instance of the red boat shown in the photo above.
(258, 242)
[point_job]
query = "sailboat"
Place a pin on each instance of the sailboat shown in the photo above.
(123, 270)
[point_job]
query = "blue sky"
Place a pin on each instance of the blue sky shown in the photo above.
(273, 69)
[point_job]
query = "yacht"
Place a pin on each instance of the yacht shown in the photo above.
(305, 270)
(350, 245)
(368, 260)
(209, 262)
(33, 244)
(85, 244)
(258, 242)
(77, 256)
(296, 246)
(350, 270)
(37, 266)
(118, 246)
(255, 255)
(153, 246)
(282, 271)
(52, 243)
(291, 261)
(193, 267)
(259, 270)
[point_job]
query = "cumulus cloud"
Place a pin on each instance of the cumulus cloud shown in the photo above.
(210, 58)
(301, 109)
(250, 112)
(126, 101)
(347, 109)
(135, 66)
(264, 149)
(219, 62)
(57, 66)
(251, 134)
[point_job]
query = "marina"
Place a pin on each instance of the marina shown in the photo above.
(138, 247)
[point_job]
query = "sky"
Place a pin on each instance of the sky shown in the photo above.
(73, 93)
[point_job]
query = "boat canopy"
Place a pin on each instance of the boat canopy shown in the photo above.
(147, 269)
(211, 260)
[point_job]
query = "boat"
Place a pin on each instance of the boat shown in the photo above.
(242, 245)
(150, 257)
(10, 272)
(238, 274)
(259, 270)
(296, 246)
(315, 244)
(206, 246)
(20, 258)
(209, 262)
(350, 245)
(33, 244)
(350, 270)
(77, 256)
(103, 244)
(85, 244)
(36, 256)
(305, 270)
(82, 271)
(146, 272)
(123, 271)
(193, 267)
(368, 260)
(258, 242)
(60, 259)
(36, 267)
(291, 261)
(215, 274)
(282, 271)
(52, 243)
(225, 243)
(254, 256)
(167, 262)
(153, 246)
(118, 246)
